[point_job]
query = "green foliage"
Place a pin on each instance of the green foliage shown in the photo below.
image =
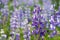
(21, 34)
(1, 5)
(56, 3)
(40, 2)
(32, 37)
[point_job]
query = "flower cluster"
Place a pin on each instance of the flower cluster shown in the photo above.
(28, 20)
(39, 22)
(15, 24)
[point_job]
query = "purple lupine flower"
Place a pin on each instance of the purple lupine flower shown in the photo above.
(37, 9)
(37, 18)
(53, 33)
(47, 4)
(22, 17)
(35, 31)
(17, 37)
(52, 23)
(52, 27)
(42, 31)
(5, 13)
(24, 14)
(26, 31)
(26, 2)
(27, 12)
(5, 2)
(14, 23)
(5, 10)
(15, 19)
(15, 3)
(58, 18)
(30, 2)
(38, 21)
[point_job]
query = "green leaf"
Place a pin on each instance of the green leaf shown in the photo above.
(40, 2)
(56, 2)
(32, 37)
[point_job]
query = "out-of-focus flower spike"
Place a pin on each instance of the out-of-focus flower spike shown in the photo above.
(15, 3)
(53, 33)
(52, 27)
(15, 24)
(5, 2)
(17, 36)
(37, 9)
(47, 4)
(27, 31)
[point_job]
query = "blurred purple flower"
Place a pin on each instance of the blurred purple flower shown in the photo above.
(53, 33)
(37, 9)
(38, 21)
(15, 23)
(17, 37)
(5, 2)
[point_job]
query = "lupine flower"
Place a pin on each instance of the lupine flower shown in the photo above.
(27, 12)
(5, 13)
(15, 19)
(47, 4)
(38, 22)
(26, 31)
(17, 36)
(53, 24)
(14, 22)
(25, 23)
(58, 18)
(30, 2)
(53, 33)
(36, 9)
(52, 27)
(5, 10)
(47, 9)
(36, 17)
(15, 3)
(24, 14)
(35, 31)
(26, 2)
(5, 2)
